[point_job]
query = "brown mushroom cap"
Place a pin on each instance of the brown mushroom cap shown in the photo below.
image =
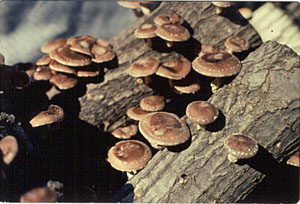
(217, 65)
(202, 112)
(175, 69)
(71, 40)
(42, 73)
(136, 113)
(146, 30)
(185, 87)
(206, 48)
(103, 43)
(130, 155)
(125, 132)
(152, 103)
(173, 33)
(53, 44)
(236, 44)
(144, 66)
(68, 57)
(44, 60)
(164, 129)
(56, 66)
(52, 115)
(39, 195)
(171, 18)
(9, 148)
(102, 54)
(87, 73)
(82, 44)
(294, 160)
(63, 82)
(240, 147)
(223, 4)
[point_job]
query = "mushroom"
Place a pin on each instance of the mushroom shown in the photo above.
(240, 147)
(52, 115)
(102, 54)
(82, 44)
(220, 5)
(87, 73)
(152, 103)
(136, 113)
(207, 48)
(9, 148)
(246, 12)
(202, 112)
(185, 86)
(294, 160)
(163, 129)
(42, 73)
(68, 57)
(236, 44)
(56, 66)
(53, 44)
(172, 33)
(146, 31)
(44, 60)
(125, 132)
(63, 82)
(143, 67)
(217, 65)
(129, 155)
(174, 69)
(39, 195)
(171, 18)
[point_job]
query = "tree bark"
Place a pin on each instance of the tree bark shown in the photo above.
(260, 103)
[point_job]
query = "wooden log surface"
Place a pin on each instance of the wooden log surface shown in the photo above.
(256, 103)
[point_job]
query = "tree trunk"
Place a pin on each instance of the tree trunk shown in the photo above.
(260, 102)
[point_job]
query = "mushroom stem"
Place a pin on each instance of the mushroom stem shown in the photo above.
(145, 10)
(169, 44)
(218, 10)
(215, 84)
(144, 80)
(137, 13)
(149, 42)
(232, 158)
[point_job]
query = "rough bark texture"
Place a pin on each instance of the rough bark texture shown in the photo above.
(261, 102)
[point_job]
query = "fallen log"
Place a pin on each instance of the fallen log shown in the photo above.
(199, 171)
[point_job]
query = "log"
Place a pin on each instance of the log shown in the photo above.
(199, 170)
(256, 104)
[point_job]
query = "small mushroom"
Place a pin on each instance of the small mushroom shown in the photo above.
(129, 155)
(146, 31)
(43, 61)
(294, 160)
(236, 44)
(39, 195)
(152, 103)
(136, 113)
(202, 113)
(82, 44)
(102, 54)
(9, 148)
(171, 18)
(52, 115)
(220, 5)
(217, 65)
(125, 132)
(56, 66)
(207, 48)
(163, 129)
(63, 82)
(53, 44)
(68, 57)
(185, 86)
(240, 147)
(246, 12)
(87, 73)
(144, 67)
(42, 73)
(172, 33)
(174, 69)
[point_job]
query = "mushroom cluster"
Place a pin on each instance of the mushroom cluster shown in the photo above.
(67, 59)
(168, 27)
(139, 8)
